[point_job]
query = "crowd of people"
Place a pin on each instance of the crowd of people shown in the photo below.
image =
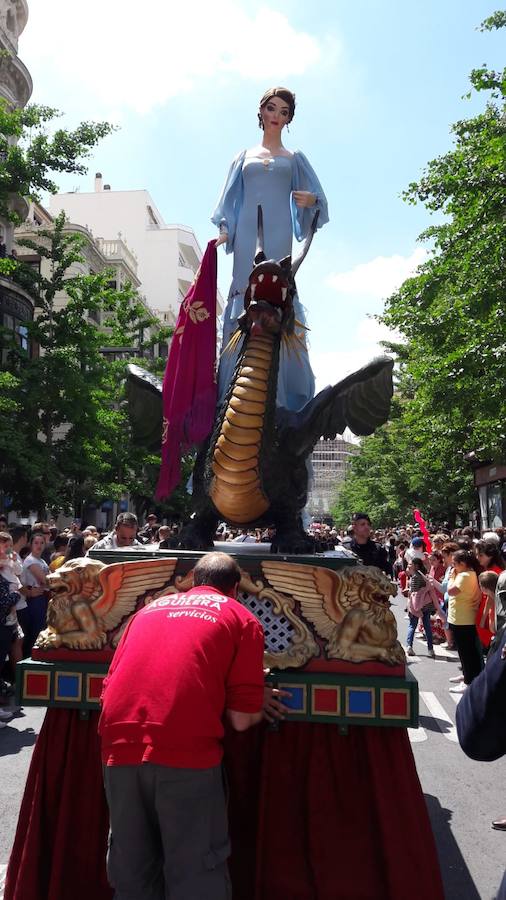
(453, 584)
(450, 587)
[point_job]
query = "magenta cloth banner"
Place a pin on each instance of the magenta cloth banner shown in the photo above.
(189, 385)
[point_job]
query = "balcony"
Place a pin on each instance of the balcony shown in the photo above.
(117, 251)
(15, 301)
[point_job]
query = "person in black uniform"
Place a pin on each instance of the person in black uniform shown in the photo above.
(371, 553)
(481, 719)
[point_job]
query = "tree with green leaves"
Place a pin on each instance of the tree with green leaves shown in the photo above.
(72, 442)
(452, 320)
(30, 153)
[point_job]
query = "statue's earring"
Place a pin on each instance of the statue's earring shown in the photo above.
(287, 127)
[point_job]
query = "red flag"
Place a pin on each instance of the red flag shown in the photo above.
(423, 528)
(189, 385)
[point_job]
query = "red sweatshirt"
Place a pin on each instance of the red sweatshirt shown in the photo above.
(180, 663)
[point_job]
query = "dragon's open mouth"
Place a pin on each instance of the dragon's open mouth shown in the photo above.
(270, 286)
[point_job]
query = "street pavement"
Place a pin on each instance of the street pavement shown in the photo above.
(462, 796)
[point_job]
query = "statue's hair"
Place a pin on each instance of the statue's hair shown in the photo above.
(284, 94)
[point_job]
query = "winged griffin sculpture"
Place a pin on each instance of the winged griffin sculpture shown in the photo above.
(91, 603)
(252, 469)
(348, 610)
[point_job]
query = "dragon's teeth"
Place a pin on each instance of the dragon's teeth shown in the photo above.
(260, 277)
(274, 279)
(284, 292)
(252, 290)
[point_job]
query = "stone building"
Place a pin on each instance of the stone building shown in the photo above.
(168, 256)
(330, 460)
(97, 256)
(16, 307)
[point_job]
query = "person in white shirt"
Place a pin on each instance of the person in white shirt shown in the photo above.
(35, 570)
(124, 534)
(415, 550)
(245, 538)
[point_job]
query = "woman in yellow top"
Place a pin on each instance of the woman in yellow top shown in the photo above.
(464, 598)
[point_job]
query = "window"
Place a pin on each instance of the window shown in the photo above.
(151, 217)
(18, 330)
(22, 332)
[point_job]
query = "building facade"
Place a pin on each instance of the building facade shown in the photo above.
(98, 255)
(16, 307)
(168, 256)
(330, 460)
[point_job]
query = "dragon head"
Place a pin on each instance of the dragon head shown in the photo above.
(268, 300)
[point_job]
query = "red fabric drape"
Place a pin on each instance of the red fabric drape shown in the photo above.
(313, 816)
(342, 818)
(61, 837)
(189, 386)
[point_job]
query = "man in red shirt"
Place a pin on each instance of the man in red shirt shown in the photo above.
(183, 661)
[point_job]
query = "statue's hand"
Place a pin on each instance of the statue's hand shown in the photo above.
(304, 198)
(222, 239)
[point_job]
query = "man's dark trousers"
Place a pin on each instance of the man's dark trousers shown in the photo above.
(170, 833)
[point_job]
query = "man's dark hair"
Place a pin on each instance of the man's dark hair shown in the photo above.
(217, 570)
(357, 516)
(60, 541)
(127, 518)
(18, 531)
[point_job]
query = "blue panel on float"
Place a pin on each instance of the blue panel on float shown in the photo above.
(297, 699)
(360, 702)
(68, 686)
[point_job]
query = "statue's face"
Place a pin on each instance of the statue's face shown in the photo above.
(275, 114)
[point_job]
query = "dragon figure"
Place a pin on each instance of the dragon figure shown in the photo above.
(252, 469)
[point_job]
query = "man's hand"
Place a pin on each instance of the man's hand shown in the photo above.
(274, 709)
(222, 239)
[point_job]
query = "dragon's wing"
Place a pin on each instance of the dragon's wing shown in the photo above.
(123, 583)
(144, 401)
(360, 401)
(314, 588)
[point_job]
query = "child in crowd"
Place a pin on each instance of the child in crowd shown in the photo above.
(420, 606)
(488, 583)
(399, 568)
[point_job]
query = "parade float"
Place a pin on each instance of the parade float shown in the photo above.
(326, 804)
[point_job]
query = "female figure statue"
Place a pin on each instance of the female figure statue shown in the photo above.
(286, 187)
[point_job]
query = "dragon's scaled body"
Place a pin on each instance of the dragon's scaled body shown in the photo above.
(236, 484)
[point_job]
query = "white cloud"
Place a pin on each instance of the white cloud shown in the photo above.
(122, 55)
(379, 277)
(363, 345)
(331, 367)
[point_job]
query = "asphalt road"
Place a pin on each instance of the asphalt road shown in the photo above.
(462, 796)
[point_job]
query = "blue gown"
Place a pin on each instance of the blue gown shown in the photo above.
(251, 182)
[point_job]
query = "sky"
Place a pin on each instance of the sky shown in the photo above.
(378, 85)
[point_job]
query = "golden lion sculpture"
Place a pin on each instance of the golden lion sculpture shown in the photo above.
(91, 603)
(349, 608)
